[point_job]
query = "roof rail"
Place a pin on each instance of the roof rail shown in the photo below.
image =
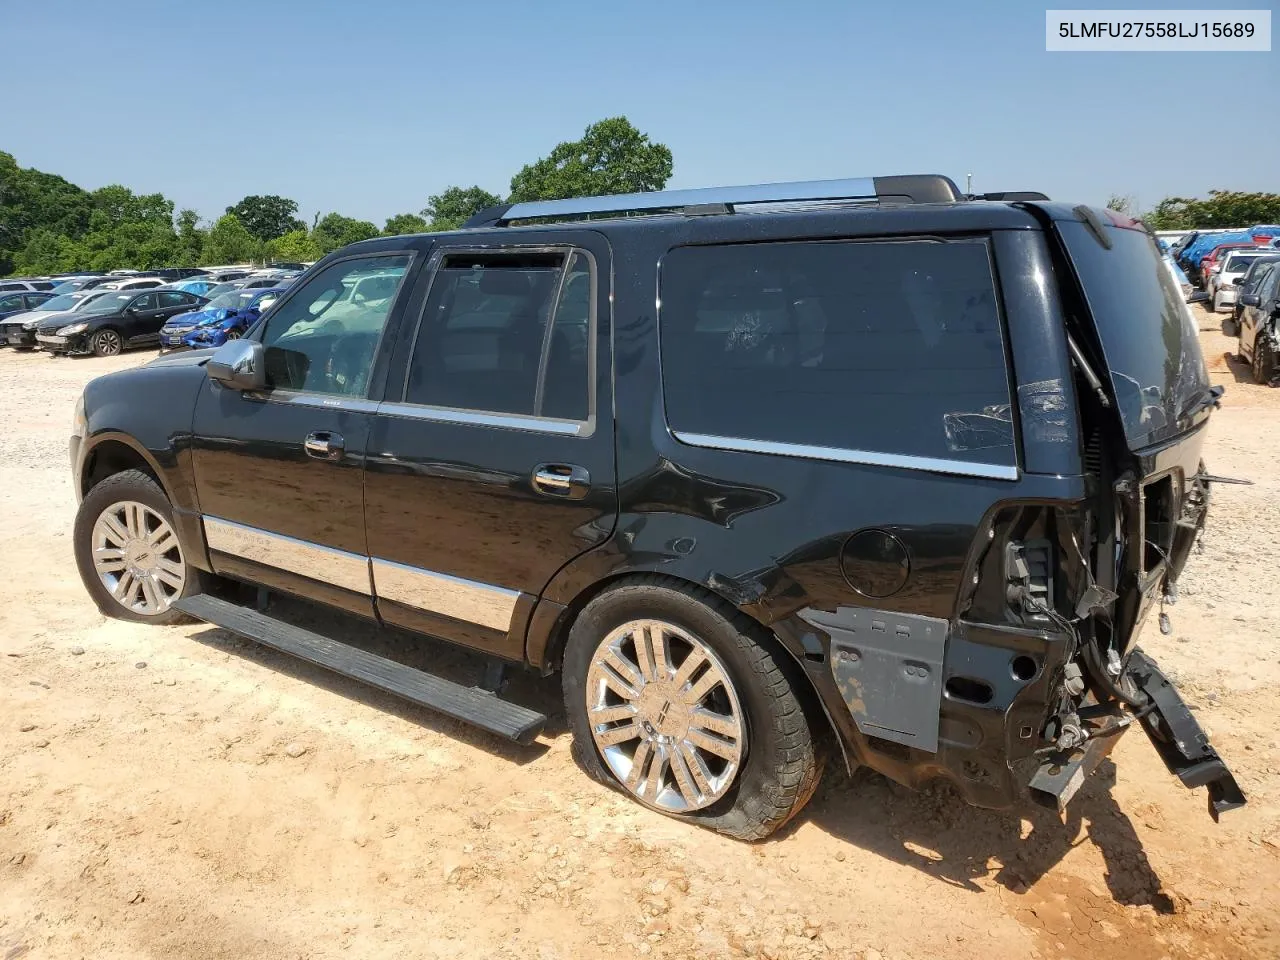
(1011, 196)
(916, 188)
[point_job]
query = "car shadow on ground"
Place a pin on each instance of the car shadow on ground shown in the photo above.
(1238, 367)
(444, 660)
(935, 831)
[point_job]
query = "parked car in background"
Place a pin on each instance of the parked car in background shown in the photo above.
(122, 319)
(1259, 337)
(225, 276)
(18, 285)
(1213, 259)
(224, 318)
(1253, 279)
(22, 302)
(200, 286)
(246, 283)
(20, 331)
(1233, 265)
(85, 283)
(135, 283)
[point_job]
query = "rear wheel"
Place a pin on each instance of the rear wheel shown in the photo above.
(128, 553)
(1264, 362)
(106, 343)
(680, 702)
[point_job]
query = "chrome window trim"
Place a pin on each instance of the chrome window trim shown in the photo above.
(460, 599)
(324, 564)
(492, 418)
(480, 418)
(963, 468)
(326, 401)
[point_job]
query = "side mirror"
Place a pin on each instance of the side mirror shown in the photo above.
(1237, 281)
(238, 365)
(1248, 300)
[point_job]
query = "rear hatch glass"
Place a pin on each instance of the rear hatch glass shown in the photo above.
(1148, 336)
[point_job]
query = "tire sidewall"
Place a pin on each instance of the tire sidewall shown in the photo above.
(130, 485)
(643, 602)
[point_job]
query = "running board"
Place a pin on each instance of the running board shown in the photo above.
(470, 704)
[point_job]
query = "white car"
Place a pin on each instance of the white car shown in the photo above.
(19, 329)
(135, 283)
(1221, 285)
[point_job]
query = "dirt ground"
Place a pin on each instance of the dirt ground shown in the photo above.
(174, 792)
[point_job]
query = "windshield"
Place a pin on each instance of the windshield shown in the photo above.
(1147, 333)
(230, 301)
(63, 302)
(108, 303)
(1239, 263)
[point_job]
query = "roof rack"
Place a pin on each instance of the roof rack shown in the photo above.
(915, 188)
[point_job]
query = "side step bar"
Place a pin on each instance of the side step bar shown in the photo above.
(469, 704)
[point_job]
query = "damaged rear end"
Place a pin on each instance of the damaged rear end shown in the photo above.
(1101, 571)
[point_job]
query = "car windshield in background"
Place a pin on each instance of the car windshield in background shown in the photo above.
(237, 300)
(109, 302)
(1136, 305)
(65, 301)
(1239, 262)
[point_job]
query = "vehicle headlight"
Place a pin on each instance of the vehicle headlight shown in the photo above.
(79, 422)
(31, 325)
(73, 328)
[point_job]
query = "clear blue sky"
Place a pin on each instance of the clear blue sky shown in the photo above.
(369, 108)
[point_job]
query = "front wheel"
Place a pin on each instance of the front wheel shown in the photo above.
(234, 335)
(128, 552)
(106, 343)
(679, 701)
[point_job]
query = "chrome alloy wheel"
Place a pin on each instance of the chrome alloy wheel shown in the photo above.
(664, 716)
(137, 557)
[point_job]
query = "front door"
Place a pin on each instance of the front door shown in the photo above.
(1252, 318)
(279, 473)
(490, 461)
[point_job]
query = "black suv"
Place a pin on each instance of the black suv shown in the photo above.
(751, 467)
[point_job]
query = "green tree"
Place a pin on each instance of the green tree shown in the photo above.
(267, 217)
(403, 223)
(1222, 208)
(453, 207)
(191, 238)
(230, 242)
(296, 246)
(612, 157)
(333, 230)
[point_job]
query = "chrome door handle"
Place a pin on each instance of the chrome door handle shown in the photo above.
(324, 445)
(564, 480)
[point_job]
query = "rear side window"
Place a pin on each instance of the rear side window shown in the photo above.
(878, 347)
(507, 333)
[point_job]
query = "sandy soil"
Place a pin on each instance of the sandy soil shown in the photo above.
(178, 793)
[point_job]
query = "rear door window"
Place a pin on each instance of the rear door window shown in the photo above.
(878, 348)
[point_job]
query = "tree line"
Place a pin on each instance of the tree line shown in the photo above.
(1222, 208)
(50, 225)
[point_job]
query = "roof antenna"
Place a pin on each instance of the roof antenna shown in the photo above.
(968, 183)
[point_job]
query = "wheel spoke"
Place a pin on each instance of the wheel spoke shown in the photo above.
(638, 763)
(108, 559)
(162, 540)
(123, 587)
(134, 522)
(616, 683)
(113, 529)
(684, 780)
(150, 594)
(715, 722)
(614, 735)
(653, 782)
(705, 684)
(167, 576)
(697, 769)
(624, 667)
(692, 662)
(623, 711)
(660, 644)
(643, 640)
(713, 744)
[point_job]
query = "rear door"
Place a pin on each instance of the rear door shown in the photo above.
(491, 460)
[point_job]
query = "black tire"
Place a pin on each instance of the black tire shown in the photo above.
(782, 765)
(129, 485)
(1264, 363)
(234, 335)
(1231, 327)
(1212, 305)
(106, 342)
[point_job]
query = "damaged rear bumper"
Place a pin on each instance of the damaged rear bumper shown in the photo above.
(1174, 731)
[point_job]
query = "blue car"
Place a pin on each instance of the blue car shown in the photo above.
(200, 286)
(226, 317)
